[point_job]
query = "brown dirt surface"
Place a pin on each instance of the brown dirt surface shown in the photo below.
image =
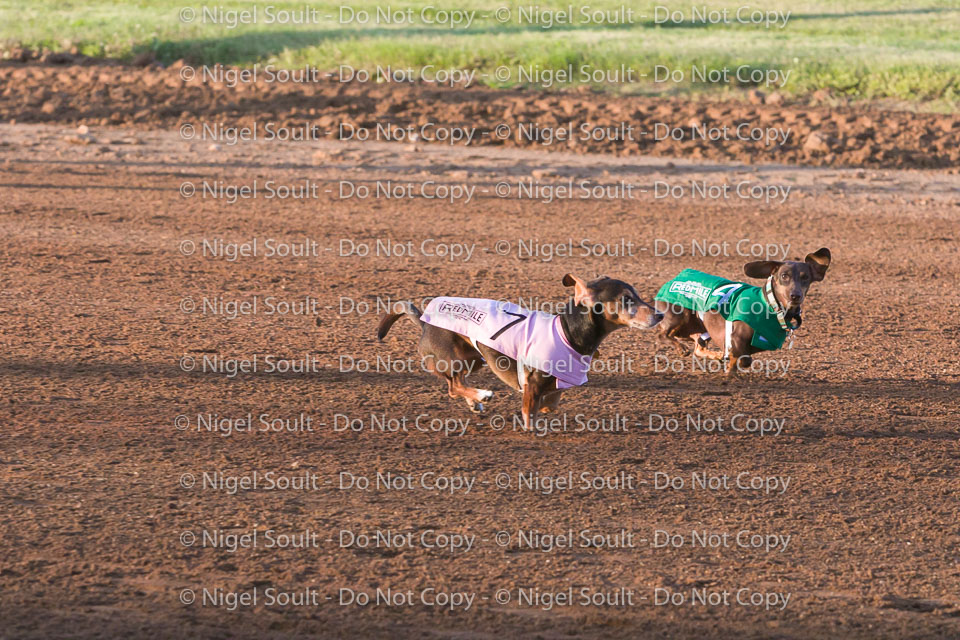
(95, 279)
(824, 132)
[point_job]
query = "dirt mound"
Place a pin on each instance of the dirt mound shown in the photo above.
(72, 89)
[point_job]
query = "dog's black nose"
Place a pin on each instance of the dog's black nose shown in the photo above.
(795, 297)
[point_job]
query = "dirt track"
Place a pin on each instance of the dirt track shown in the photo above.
(821, 131)
(93, 331)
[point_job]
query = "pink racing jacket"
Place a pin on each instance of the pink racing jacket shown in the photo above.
(532, 338)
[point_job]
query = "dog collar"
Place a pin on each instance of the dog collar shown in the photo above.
(787, 324)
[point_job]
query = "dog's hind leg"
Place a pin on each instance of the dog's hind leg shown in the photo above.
(702, 351)
(451, 357)
(474, 397)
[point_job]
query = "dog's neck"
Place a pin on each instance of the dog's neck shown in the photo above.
(788, 313)
(773, 290)
(583, 328)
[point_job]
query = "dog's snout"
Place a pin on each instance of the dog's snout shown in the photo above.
(645, 318)
(653, 320)
(796, 297)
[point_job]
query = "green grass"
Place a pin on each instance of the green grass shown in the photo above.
(878, 49)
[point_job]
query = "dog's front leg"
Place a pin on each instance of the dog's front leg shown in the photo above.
(550, 402)
(539, 389)
(732, 366)
(530, 406)
(738, 355)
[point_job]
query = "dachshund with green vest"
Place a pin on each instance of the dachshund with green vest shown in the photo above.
(738, 319)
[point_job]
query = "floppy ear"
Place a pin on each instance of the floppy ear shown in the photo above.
(818, 261)
(761, 268)
(581, 292)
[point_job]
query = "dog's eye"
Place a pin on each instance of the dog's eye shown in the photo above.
(805, 276)
(784, 276)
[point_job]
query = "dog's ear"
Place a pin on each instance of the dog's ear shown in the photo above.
(819, 261)
(761, 268)
(581, 292)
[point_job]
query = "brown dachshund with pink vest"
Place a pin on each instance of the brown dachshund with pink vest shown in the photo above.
(536, 353)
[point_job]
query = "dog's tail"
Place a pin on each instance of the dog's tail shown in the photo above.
(387, 319)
